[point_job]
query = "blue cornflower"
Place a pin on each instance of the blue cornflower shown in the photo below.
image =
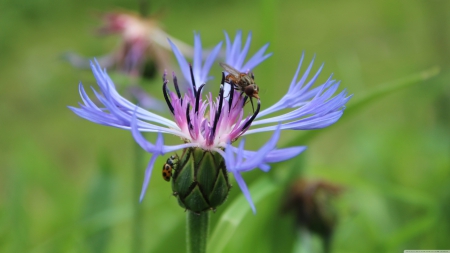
(213, 124)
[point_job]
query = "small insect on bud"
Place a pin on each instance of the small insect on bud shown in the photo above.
(200, 180)
(168, 167)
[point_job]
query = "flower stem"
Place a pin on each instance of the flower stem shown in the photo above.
(196, 231)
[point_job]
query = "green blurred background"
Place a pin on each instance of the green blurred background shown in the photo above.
(68, 185)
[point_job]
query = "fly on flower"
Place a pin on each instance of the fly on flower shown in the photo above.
(208, 125)
(244, 82)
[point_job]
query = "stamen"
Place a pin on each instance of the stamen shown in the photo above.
(188, 118)
(177, 89)
(249, 122)
(193, 81)
(166, 97)
(219, 111)
(197, 99)
(230, 101)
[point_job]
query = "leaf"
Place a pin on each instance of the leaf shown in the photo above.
(235, 213)
(99, 199)
(385, 89)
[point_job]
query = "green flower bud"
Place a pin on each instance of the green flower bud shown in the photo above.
(200, 180)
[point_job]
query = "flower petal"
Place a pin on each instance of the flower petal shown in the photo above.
(235, 56)
(117, 111)
(157, 149)
(208, 64)
(240, 181)
(274, 156)
(184, 66)
(200, 70)
(238, 160)
(311, 108)
(148, 174)
(257, 58)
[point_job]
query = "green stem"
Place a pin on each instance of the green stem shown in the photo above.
(196, 231)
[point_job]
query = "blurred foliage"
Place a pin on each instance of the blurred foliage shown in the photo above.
(68, 185)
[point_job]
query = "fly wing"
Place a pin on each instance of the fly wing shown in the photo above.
(230, 69)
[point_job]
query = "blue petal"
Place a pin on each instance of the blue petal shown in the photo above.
(118, 110)
(311, 108)
(235, 56)
(228, 42)
(252, 159)
(240, 152)
(240, 181)
(139, 138)
(200, 72)
(284, 154)
(197, 61)
(148, 174)
(184, 66)
(243, 54)
(257, 58)
(264, 167)
(235, 48)
(208, 63)
(275, 155)
(229, 158)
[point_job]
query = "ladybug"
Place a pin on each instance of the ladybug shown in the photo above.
(168, 167)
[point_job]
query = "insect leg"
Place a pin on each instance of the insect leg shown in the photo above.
(251, 101)
(253, 107)
(245, 100)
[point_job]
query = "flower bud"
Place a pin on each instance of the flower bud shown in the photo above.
(312, 203)
(200, 180)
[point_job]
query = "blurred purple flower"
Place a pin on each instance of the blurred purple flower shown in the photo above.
(214, 123)
(143, 48)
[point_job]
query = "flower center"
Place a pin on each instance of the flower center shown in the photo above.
(212, 128)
